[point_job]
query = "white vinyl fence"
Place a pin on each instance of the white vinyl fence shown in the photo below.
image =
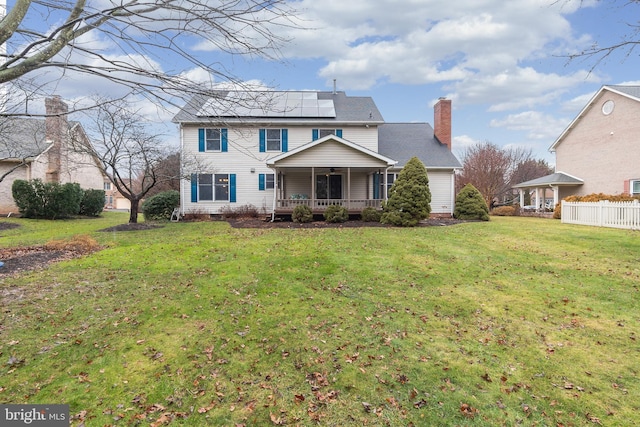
(602, 214)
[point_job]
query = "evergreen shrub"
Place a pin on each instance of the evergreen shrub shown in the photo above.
(92, 203)
(370, 214)
(161, 206)
(409, 197)
(335, 214)
(51, 200)
(471, 205)
(302, 213)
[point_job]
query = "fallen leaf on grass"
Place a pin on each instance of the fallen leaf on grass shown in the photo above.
(468, 410)
(275, 419)
(593, 419)
(206, 409)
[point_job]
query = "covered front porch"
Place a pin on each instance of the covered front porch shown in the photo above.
(329, 172)
(320, 187)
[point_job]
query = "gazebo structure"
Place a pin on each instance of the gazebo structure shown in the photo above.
(540, 185)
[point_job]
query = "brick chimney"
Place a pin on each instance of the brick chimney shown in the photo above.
(56, 128)
(442, 121)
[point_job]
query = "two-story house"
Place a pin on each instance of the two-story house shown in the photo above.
(598, 151)
(277, 150)
(45, 149)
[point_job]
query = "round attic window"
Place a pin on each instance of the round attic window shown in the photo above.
(607, 107)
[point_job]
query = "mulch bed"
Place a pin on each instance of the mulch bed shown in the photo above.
(260, 223)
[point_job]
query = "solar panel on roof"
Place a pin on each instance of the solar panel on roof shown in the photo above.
(268, 104)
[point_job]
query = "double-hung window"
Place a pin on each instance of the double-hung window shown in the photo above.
(635, 187)
(218, 187)
(213, 187)
(266, 181)
(212, 140)
(273, 140)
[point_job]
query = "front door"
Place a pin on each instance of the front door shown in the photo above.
(329, 186)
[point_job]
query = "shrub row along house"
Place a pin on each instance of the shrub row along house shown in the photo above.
(276, 150)
(598, 151)
(42, 149)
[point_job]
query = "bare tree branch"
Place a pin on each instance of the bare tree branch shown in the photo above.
(131, 39)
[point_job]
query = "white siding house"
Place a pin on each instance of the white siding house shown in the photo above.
(277, 150)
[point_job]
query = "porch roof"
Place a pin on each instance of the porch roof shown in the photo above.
(555, 179)
(335, 155)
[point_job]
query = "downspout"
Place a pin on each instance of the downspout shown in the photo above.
(182, 190)
(275, 194)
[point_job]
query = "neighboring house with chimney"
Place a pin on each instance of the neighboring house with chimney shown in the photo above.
(276, 150)
(43, 149)
(599, 151)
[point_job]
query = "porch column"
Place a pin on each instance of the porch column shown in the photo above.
(348, 188)
(313, 188)
(555, 189)
(521, 191)
(537, 198)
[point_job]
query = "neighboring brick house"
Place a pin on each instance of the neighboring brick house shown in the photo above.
(599, 152)
(41, 149)
(278, 150)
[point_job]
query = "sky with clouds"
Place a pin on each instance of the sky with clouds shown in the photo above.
(503, 63)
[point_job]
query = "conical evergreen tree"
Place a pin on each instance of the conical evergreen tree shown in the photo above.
(409, 196)
(470, 204)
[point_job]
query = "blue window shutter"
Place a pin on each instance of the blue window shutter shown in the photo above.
(263, 140)
(194, 188)
(339, 133)
(201, 140)
(261, 182)
(314, 134)
(223, 137)
(285, 140)
(232, 188)
(376, 185)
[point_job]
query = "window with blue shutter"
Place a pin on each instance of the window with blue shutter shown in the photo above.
(314, 134)
(212, 140)
(266, 181)
(272, 140)
(321, 133)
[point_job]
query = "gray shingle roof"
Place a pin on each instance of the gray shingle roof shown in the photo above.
(558, 178)
(401, 141)
(633, 91)
(348, 109)
(22, 138)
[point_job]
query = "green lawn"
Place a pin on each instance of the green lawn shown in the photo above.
(515, 321)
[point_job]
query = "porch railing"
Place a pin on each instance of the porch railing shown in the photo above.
(322, 204)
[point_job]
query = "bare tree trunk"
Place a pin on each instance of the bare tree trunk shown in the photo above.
(133, 212)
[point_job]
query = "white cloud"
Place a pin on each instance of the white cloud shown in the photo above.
(479, 48)
(537, 125)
